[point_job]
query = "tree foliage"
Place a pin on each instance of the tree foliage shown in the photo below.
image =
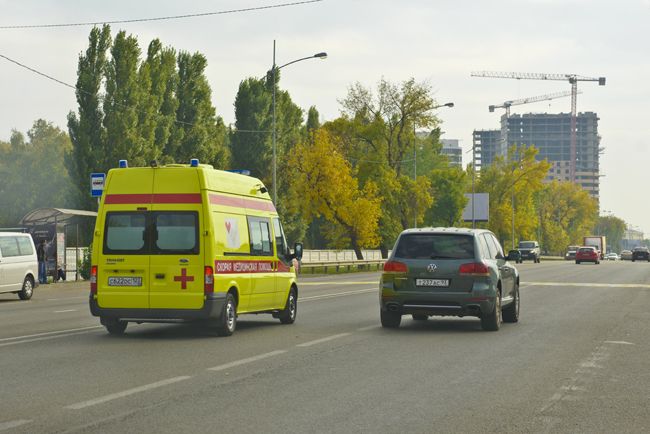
(449, 186)
(613, 228)
(157, 108)
(323, 185)
(33, 173)
(566, 214)
(512, 184)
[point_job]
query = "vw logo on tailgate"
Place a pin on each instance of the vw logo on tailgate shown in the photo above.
(431, 268)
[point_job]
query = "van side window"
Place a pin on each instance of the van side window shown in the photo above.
(9, 247)
(280, 240)
(25, 246)
(260, 236)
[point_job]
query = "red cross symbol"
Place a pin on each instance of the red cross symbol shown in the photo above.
(184, 278)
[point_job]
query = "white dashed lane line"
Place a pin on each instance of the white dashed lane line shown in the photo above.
(245, 361)
(113, 396)
(64, 311)
(325, 339)
(13, 424)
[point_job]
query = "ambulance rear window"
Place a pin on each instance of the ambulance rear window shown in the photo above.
(125, 232)
(151, 233)
(176, 232)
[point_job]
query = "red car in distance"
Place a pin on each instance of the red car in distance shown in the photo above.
(587, 254)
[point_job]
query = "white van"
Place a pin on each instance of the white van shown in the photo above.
(18, 264)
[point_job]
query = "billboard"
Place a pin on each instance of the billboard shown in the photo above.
(477, 210)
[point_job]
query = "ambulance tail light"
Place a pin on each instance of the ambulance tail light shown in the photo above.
(208, 281)
(93, 280)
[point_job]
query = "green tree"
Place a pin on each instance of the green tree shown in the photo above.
(613, 228)
(566, 214)
(513, 183)
(324, 186)
(124, 105)
(200, 132)
(33, 172)
(449, 186)
(86, 127)
(250, 142)
(159, 78)
(377, 134)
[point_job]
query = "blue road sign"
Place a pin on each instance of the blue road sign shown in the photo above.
(97, 184)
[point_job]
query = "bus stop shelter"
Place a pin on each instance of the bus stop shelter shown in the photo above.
(52, 226)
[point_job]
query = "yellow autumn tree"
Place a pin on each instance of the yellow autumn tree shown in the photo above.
(323, 185)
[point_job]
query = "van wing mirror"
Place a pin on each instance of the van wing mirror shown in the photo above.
(297, 251)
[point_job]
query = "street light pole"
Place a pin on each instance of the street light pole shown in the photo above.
(415, 162)
(321, 55)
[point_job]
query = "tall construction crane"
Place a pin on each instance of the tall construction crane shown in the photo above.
(507, 104)
(573, 79)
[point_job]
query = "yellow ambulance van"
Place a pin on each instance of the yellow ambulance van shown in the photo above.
(186, 242)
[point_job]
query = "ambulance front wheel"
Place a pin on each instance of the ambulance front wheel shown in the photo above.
(228, 320)
(115, 326)
(288, 314)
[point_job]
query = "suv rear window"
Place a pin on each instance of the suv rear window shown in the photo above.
(146, 233)
(587, 249)
(435, 246)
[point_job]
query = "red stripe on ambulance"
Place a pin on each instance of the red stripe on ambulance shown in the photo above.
(261, 205)
(114, 199)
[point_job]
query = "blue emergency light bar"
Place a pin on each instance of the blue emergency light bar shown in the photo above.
(194, 162)
(123, 164)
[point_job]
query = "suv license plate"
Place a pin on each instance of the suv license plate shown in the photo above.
(125, 281)
(432, 282)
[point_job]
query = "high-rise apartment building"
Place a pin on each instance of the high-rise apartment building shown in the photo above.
(551, 135)
(451, 148)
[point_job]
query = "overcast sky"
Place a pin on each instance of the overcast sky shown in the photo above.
(440, 41)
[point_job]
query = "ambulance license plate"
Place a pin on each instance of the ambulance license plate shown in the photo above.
(125, 281)
(432, 282)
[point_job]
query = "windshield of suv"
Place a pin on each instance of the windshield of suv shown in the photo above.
(526, 245)
(435, 246)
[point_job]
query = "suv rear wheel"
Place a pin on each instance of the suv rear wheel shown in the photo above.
(511, 312)
(390, 319)
(492, 321)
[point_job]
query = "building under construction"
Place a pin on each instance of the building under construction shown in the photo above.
(551, 135)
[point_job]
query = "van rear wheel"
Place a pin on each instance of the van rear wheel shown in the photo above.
(28, 289)
(228, 320)
(114, 326)
(288, 314)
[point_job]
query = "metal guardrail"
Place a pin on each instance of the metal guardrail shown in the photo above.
(359, 265)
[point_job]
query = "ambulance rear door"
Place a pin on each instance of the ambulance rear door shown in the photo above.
(177, 243)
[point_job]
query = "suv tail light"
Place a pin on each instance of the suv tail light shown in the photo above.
(474, 269)
(208, 281)
(395, 267)
(93, 279)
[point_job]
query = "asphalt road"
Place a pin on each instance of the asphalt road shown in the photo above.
(576, 362)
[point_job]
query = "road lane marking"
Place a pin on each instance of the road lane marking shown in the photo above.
(64, 311)
(113, 396)
(44, 338)
(247, 360)
(337, 294)
(49, 333)
(599, 285)
(320, 341)
(619, 342)
(365, 329)
(373, 282)
(67, 298)
(13, 424)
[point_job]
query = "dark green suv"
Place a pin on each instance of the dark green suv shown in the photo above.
(449, 272)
